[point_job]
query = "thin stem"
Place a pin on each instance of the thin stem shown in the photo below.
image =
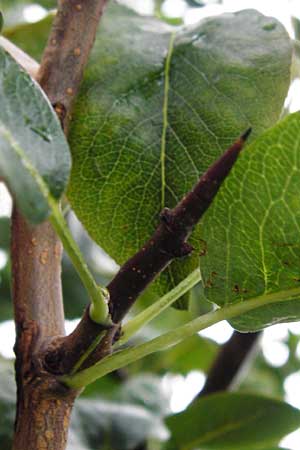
(134, 325)
(166, 340)
(99, 295)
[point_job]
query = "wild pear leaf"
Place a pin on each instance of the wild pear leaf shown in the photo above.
(252, 231)
(32, 143)
(157, 108)
(231, 421)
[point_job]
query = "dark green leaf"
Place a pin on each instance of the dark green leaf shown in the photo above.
(252, 229)
(137, 146)
(119, 426)
(31, 140)
(232, 421)
(4, 233)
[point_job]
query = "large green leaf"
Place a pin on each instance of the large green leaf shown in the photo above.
(253, 229)
(31, 141)
(156, 110)
(232, 421)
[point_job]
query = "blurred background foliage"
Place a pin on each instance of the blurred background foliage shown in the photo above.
(126, 409)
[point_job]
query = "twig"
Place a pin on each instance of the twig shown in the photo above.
(229, 362)
(167, 243)
(173, 337)
(71, 39)
(36, 283)
(169, 240)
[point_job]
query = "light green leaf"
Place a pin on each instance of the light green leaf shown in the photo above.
(31, 37)
(32, 144)
(232, 422)
(253, 229)
(155, 110)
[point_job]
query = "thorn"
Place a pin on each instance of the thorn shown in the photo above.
(245, 135)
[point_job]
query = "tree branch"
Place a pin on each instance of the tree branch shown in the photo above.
(167, 243)
(169, 240)
(71, 39)
(229, 362)
(36, 251)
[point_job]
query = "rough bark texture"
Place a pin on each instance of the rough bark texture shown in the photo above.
(67, 51)
(43, 404)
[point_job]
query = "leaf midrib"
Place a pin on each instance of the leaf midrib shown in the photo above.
(165, 117)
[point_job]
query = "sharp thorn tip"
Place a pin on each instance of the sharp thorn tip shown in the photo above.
(247, 133)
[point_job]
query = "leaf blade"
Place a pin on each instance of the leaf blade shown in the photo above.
(232, 421)
(119, 123)
(255, 223)
(32, 144)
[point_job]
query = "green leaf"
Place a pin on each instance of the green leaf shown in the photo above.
(148, 391)
(119, 426)
(156, 110)
(7, 403)
(31, 37)
(253, 229)
(33, 147)
(232, 421)
(194, 353)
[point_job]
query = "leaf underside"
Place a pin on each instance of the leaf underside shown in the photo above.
(31, 140)
(155, 110)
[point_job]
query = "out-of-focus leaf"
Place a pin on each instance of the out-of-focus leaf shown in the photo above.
(118, 426)
(4, 233)
(31, 140)
(252, 229)
(146, 390)
(31, 37)
(146, 125)
(230, 421)
(195, 353)
(13, 10)
(7, 403)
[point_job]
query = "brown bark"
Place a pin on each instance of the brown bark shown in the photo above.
(43, 404)
(230, 362)
(168, 242)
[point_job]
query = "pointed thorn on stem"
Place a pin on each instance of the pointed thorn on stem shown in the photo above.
(245, 135)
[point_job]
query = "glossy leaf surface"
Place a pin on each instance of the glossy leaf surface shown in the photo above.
(156, 109)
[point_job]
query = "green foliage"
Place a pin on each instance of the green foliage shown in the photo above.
(31, 37)
(146, 125)
(230, 421)
(31, 142)
(252, 229)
